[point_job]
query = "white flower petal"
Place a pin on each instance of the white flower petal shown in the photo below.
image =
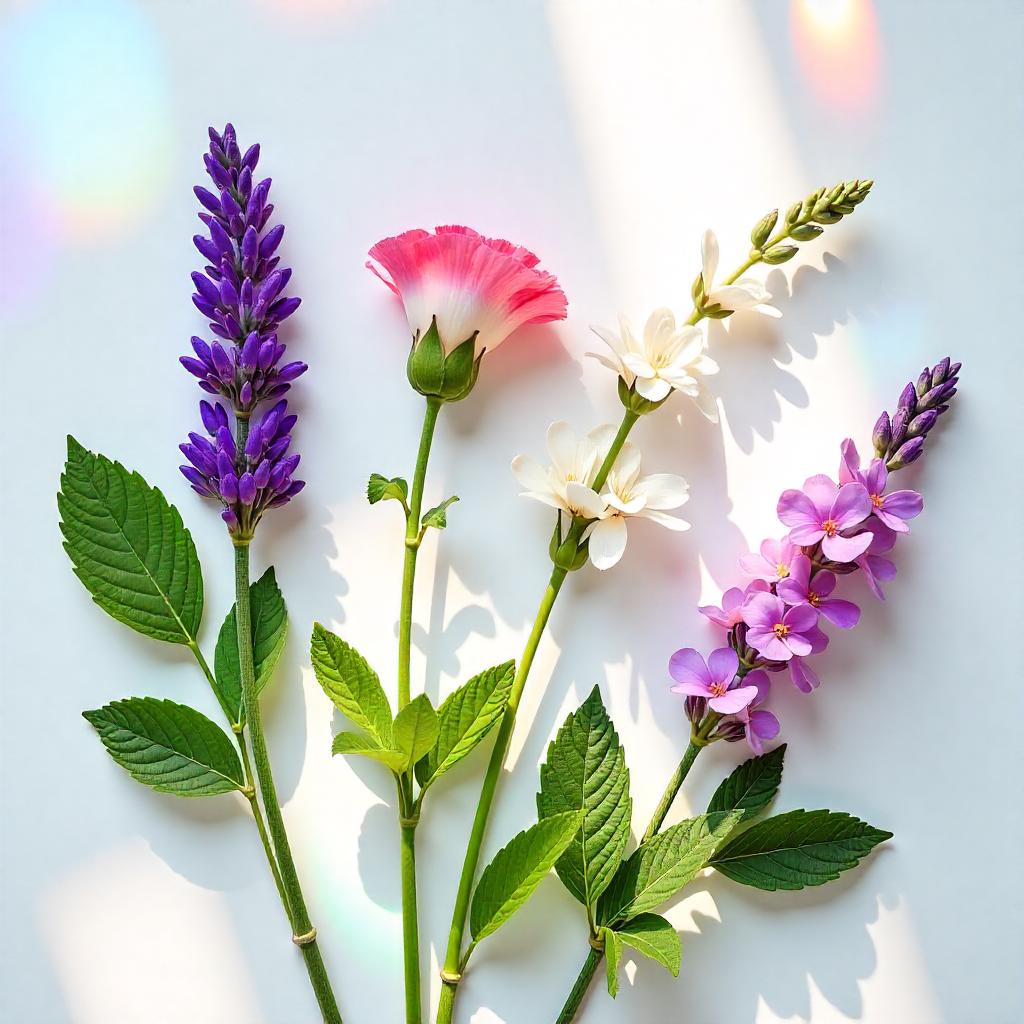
(669, 522)
(709, 258)
(613, 363)
(704, 365)
(654, 389)
(690, 345)
(561, 447)
(627, 463)
(530, 473)
(544, 497)
(611, 339)
(584, 500)
(638, 364)
(707, 404)
(608, 542)
(663, 490)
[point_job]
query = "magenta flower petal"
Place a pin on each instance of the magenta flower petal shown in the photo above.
(759, 679)
(845, 549)
(903, 504)
(844, 614)
(717, 615)
(687, 666)
(821, 489)
(768, 644)
(796, 510)
(763, 725)
(797, 644)
(733, 701)
(824, 583)
(791, 592)
(805, 679)
(851, 506)
(722, 664)
(801, 618)
(691, 688)
(895, 523)
(876, 477)
(849, 463)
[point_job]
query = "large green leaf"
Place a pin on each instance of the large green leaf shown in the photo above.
(751, 786)
(659, 868)
(367, 746)
(415, 730)
(799, 848)
(129, 547)
(507, 882)
(586, 771)
(351, 684)
(465, 718)
(168, 747)
(269, 630)
(656, 938)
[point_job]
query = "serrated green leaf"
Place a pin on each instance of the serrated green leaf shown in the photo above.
(169, 747)
(659, 868)
(656, 938)
(797, 849)
(586, 771)
(380, 488)
(465, 718)
(367, 746)
(437, 516)
(612, 957)
(751, 786)
(351, 684)
(415, 730)
(269, 632)
(509, 880)
(129, 547)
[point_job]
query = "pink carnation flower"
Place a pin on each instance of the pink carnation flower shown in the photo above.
(474, 285)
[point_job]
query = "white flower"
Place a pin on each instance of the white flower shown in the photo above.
(746, 293)
(566, 483)
(668, 357)
(626, 494)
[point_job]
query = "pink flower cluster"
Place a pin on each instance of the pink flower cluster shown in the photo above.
(774, 622)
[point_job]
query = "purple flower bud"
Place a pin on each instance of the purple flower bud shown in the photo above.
(203, 306)
(921, 424)
(266, 354)
(271, 241)
(731, 730)
(278, 448)
(210, 389)
(229, 487)
(195, 478)
(252, 156)
(207, 248)
(938, 394)
(250, 351)
(221, 178)
(226, 442)
(230, 518)
(222, 361)
(206, 288)
(696, 708)
(246, 489)
(229, 205)
(195, 367)
(253, 445)
(940, 371)
(262, 474)
(245, 394)
(899, 427)
(924, 381)
(283, 308)
(210, 419)
(228, 293)
(244, 185)
(245, 293)
(295, 487)
(908, 399)
(221, 239)
(907, 453)
(207, 198)
(250, 249)
(882, 435)
(278, 478)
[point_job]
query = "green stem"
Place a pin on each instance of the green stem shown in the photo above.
(454, 962)
(579, 989)
(408, 819)
(303, 932)
(412, 546)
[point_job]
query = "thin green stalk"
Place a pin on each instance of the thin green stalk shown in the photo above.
(412, 546)
(303, 932)
(250, 782)
(454, 962)
(408, 820)
(579, 989)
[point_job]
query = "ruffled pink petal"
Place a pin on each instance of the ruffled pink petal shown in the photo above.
(895, 523)
(845, 549)
(758, 567)
(722, 664)
(844, 614)
(797, 644)
(734, 700)
(687, 666)
(800, 570)
(818, 639)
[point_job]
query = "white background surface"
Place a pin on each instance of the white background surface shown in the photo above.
(606, 136)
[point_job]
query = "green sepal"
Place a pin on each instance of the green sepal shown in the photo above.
(436, 375)
(567, 554)
(366, 746)
(380, 488)
(353, 687)
(169, 747)
(461, 369)
(130, 548)
(269, 619)
(415, 730)
(467, 715)
(437, 517)
(635, 402)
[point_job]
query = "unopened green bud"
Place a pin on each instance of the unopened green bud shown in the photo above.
(793, 213)
(449, 377)
(805, 232)
(697, 291)
(827, 217)
(763, 229)
(779, 254)
(635, 402)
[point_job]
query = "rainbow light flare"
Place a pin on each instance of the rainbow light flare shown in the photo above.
(86, 96)
(836, 43)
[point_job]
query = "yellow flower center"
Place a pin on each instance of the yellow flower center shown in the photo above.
(781, 629)
(782, 570)
(718, 689)
(830, 526)
(876, 500)
(813, 599)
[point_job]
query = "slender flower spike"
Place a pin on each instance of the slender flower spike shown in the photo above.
(463, 294)
(566, 483)
(776, 631)
(893, 509)
(800, 587)
(746, 293)
(711, 680)
(773, 562)
(667, 358)
(627, 493)
(821, 511)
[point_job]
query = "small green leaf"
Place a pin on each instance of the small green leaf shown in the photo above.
(169, 747)
(586, 771)
(367, 746)
(796, 849)
(415, 730)
(612, 956)
(351, 684)
(659, 868)
(656, 938)
(509, 880)
(130, 548)
(269, 631)
(751, 786)
(437, 516)
(380, 488)
(467, 715)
